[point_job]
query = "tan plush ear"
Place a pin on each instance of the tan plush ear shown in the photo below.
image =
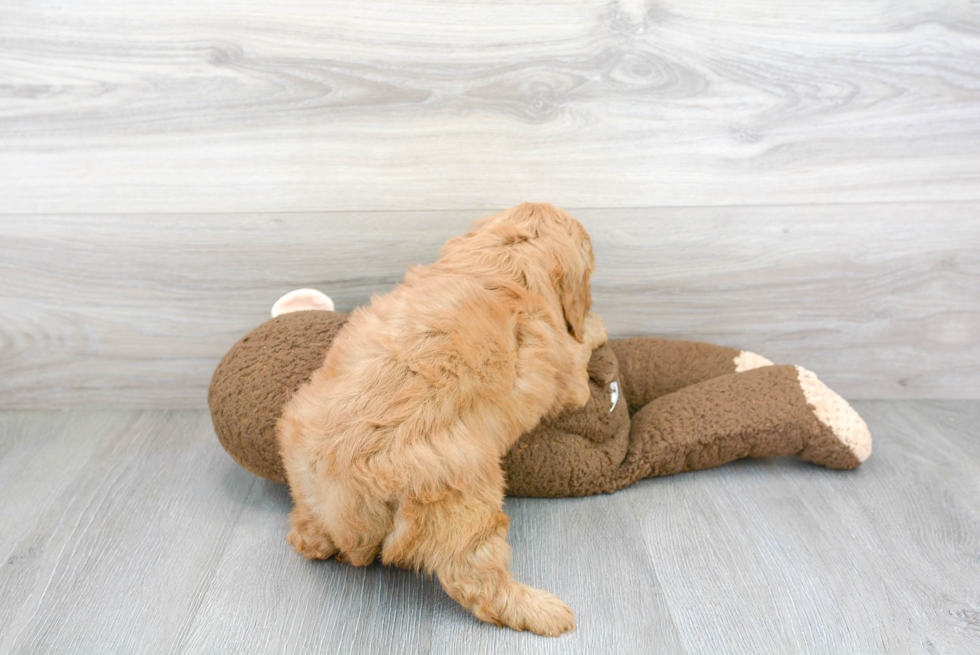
(301, 299)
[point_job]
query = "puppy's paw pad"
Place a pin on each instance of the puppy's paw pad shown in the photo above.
(544, 614)
(311, 548)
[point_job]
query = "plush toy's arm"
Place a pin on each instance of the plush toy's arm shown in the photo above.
(770, 411)
(650, 367)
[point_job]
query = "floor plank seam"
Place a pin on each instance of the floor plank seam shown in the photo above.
(180, 645)
(931, 202)
(652, 563)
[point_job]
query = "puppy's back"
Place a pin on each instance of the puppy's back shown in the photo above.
(411, 380)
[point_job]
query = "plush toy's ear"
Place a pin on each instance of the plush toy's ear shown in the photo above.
(301, 299)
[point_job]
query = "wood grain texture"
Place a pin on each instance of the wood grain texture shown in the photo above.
(262, 598)
(795, 549)
(880, 300)
(239, 106)
(33, 446)
(119, 561)
(147, 537)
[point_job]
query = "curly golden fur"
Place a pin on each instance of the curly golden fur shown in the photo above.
(395, 442)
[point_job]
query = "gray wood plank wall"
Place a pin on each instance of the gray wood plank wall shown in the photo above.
(798, 179)
(242, 105)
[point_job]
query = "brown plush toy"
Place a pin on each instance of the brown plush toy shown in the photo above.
(658, 407)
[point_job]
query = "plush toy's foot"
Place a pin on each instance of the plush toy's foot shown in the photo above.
(848, 443)
(769, 411)
(746, 360)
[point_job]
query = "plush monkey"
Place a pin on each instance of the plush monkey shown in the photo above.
(658, 407)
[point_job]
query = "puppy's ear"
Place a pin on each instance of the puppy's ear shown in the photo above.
(507, 234)
(573, 293)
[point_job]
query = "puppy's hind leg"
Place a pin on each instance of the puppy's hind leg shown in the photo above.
(306, 536)
(463, 540)
(307, 533)
(357, 525)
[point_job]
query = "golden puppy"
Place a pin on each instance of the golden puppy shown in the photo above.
(395, 442)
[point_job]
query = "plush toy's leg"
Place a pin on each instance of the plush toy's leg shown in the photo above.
(650, 367)
(770, 411)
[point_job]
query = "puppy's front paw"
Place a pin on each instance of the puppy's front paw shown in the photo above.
(541, 613)
(580, 395)
(595, 330)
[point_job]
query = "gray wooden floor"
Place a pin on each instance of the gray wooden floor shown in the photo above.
(132, 531)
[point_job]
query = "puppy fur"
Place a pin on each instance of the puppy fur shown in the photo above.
(394, 445)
